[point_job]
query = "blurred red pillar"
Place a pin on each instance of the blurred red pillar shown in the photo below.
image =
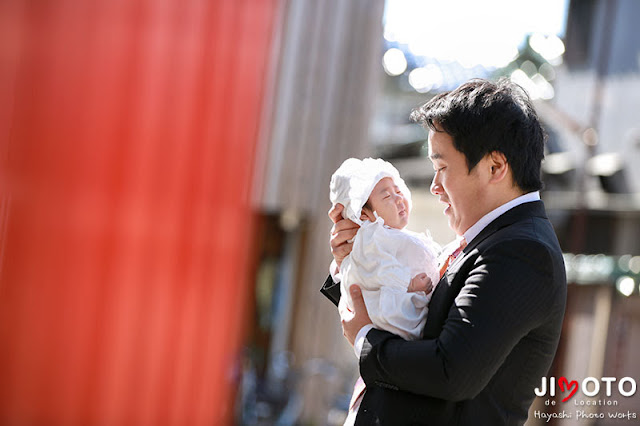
(127, 134)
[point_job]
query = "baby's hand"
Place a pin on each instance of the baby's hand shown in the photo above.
(420, 282)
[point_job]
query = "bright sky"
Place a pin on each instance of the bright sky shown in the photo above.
(485, 32)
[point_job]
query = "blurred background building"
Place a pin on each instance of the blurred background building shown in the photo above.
(164, 180)
(580, 63)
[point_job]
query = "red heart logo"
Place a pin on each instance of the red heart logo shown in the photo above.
(571, 386)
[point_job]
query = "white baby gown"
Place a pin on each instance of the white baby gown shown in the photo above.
(383, 259)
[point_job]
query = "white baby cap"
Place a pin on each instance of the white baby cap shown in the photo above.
(354, 180)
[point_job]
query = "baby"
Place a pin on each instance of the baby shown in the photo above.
(394, 267)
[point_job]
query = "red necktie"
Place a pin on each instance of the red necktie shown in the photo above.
(452, 256)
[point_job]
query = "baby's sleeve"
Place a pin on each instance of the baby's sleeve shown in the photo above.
(394, 310)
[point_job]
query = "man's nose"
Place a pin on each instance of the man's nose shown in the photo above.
(435, 187)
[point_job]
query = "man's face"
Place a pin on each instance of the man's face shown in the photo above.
(388, 201)
(462, 191)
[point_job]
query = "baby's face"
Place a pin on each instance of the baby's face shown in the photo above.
(387, 200)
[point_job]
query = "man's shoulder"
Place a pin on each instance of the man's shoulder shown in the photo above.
(526, 223)
(534, 236)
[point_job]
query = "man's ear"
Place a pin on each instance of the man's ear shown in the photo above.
(499, 166)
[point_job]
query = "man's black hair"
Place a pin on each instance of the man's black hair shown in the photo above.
(481, 117)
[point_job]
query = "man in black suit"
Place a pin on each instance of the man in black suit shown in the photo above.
(495, 316)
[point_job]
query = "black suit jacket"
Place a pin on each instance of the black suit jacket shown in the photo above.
(491, 333)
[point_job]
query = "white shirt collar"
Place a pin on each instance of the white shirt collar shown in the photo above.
(477, 227)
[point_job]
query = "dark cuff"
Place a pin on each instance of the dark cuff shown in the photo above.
(370, 370)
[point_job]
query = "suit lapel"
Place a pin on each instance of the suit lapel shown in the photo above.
(516, 214)
(448, 287)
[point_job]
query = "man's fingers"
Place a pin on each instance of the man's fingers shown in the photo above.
(342, 234)
(342, 251)
(343, 231)
(356, 297)
(335, 214)
(352, 324)
(344, 225)
(342, 237)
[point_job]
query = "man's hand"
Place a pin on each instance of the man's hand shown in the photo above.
(358, 318)
(342, 232)
(420, 282)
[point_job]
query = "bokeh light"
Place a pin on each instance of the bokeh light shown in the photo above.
(394, 62)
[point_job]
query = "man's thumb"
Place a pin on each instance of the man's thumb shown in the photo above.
(356, 295)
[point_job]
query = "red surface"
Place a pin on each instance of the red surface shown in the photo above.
(127, 134)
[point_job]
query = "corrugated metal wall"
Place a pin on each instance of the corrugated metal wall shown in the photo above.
(323, 98)
(320, 106)
(127, 136)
